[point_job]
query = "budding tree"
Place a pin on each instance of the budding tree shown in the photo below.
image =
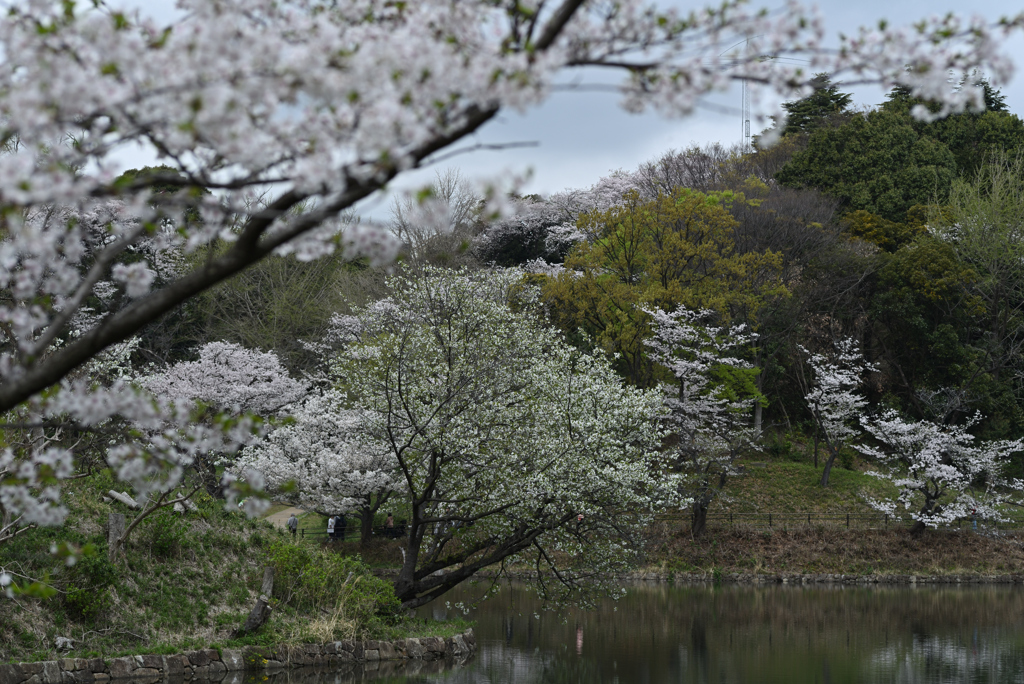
(833, 399)
(710, 401)
(511, 446)
(322, 104)
(942, 472)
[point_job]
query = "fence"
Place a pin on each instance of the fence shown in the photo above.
(352, 533)
(860, 521)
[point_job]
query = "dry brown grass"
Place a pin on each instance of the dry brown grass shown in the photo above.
(838, 550)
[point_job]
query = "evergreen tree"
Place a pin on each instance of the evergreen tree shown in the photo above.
(817, 108)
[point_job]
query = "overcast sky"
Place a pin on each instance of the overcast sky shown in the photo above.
(581, 136)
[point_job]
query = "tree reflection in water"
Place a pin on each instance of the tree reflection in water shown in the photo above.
(738, 635)
(744, 634)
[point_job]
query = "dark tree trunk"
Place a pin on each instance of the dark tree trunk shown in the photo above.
(365, 525)
(699, 519)
(815, 447)
(261, 611)
(828, 468)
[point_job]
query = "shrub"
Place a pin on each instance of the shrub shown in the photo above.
(87, 594)
(165, 534)
(315, 580)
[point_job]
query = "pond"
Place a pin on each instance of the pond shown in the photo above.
(745, 634)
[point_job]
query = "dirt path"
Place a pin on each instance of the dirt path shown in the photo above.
(280, 519)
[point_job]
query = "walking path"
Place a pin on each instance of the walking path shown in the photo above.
(280, 519)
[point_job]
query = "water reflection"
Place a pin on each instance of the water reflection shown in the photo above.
(731, 635)
(770, 634)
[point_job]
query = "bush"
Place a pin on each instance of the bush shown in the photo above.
(87, 593)
(316, 580)
(165, 534)
(782, 449)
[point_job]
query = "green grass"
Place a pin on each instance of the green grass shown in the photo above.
(787, 487)
(183, 583)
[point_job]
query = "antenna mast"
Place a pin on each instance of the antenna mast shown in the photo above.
(745, 141)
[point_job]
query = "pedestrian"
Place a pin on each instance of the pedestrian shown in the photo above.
(293, 525)
(389, 526)
(330, 528)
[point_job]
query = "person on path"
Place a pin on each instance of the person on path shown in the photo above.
(389, 526)
(330, 528)
(293, 525)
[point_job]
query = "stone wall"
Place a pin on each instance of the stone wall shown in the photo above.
(816, 579)
(213, 665)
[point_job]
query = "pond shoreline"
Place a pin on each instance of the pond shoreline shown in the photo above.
(712, 577)
(215, 665)
(818, 578)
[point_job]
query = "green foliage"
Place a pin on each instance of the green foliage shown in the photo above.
(878, 162)
(888, 235)
(86, 593)
(781, 448)
(164, 533)
(886, 161)
(675, 250)
(313, 579)
(817, 109)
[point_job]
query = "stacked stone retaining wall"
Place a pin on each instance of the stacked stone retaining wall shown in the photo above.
(214, 665)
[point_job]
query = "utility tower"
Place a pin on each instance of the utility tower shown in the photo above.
(745, 141)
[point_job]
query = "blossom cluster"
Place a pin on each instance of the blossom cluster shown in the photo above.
(710, 404)
(320, 459)
(318, 104)
(942, 473)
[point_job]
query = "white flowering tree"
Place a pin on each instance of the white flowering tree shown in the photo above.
(226, 384)
(833, 397)
(320, 461)
(230, 378)
(511, 446)
(942, 473)
(709, 400)
(321, 104)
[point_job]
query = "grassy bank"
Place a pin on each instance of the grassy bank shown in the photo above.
(184, 582)
(790, 491)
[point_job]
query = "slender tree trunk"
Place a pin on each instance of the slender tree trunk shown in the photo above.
(699, 519)
(815, 447)
(406, 581)
(828, 468)
(365, 524)
(930, 507)
(702, 502)
(758, 409)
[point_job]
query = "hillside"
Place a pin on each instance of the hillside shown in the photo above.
(788, 542)
(185, 582)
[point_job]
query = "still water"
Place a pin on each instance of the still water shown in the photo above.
(742, 634)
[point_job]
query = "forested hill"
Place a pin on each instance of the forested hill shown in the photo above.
(901, 233)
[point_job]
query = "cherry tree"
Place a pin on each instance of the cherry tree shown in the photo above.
(320, 104)
(320, 461)
(942, 473)
(231, 378)
(539, 231)
(511, 446)
(710, 403)
(832, 397)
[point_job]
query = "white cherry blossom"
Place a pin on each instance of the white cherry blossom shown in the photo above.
(943, 474)
(320, 104)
